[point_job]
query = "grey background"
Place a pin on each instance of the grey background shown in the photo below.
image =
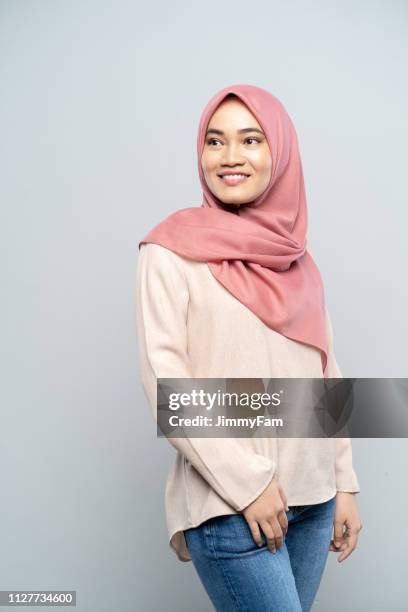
(99, 107)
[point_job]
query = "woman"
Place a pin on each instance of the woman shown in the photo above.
(229, 289)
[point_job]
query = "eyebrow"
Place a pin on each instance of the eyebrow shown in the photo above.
(243, 131)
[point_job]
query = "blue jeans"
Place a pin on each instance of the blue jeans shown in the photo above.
(239, 576)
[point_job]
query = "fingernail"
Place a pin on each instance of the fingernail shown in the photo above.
(337, 544)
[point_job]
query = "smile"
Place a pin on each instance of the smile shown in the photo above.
(234, 179)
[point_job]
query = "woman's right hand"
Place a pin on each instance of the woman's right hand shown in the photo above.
(268, 513)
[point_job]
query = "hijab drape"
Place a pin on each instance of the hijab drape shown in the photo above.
(258, 250)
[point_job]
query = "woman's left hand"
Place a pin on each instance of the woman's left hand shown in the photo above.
(345, 515)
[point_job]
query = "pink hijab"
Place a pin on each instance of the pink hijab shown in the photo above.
(258, 251)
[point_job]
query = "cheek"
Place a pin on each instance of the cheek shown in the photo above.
(261, 162)
(267, 167)
(264, 171)
(208, 164)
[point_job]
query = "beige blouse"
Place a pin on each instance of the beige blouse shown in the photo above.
(188, 325)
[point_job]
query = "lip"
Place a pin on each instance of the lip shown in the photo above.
(228, 180)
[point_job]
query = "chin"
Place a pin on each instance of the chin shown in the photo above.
(227, 203)
(222, 197)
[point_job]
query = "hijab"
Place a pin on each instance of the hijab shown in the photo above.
(258, 251)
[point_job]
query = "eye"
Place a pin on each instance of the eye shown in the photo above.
(211, 140)
(253, 138)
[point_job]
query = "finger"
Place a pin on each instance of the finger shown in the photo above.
(344, 554)
(283, 520)
(256, 534)
(351, 545)
(334, 548)
(269, 535)
(284, 498)
(277, 530)
(338, 532)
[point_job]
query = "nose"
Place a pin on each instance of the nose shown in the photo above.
(232, 155)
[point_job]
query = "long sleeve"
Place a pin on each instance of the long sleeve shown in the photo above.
(237, 474)
(346, 478)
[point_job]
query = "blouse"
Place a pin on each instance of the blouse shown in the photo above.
(189, 325)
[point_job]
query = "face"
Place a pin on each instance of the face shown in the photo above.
(236, 159)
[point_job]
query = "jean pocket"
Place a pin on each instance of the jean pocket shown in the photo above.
(231, 534)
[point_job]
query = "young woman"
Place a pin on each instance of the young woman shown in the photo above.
(229, 289)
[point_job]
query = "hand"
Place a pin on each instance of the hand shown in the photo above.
(346, 514)
(268, 512)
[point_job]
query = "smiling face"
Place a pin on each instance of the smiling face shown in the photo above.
(236, 159)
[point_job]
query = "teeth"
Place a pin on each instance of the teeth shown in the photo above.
(233, 176)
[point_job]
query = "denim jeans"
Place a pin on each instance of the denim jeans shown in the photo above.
(239, 576)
